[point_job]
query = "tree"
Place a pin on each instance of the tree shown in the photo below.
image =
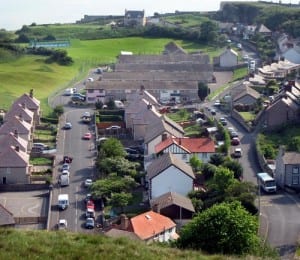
(104, 188)
(58, 110)
(217, 159)
(120, 200)
(225, 228)
(112, 147)
(119, 165)
(245, 192)
(208, 31)
(223, 178)
(203, 91)
(235, 167)
(196, 163)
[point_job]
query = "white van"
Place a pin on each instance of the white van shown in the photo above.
(63, 201)
(69, 92)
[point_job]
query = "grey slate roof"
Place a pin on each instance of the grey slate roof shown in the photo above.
(18, 110)
(173, 48)
(172, 198)
(10, 158)
(133, 14)
(11, 140)
(246, 90)
(6, 217)
(291, 158)
(165, 161)
(160, 126)
(148, 85)
(158, 59)
(15, 124)
(31, 102)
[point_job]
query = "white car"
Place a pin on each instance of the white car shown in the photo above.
(65, 172)
(68, 125)
(217, 103)
(113, 127)
(62, 224)
(88, 183)
(65, 167)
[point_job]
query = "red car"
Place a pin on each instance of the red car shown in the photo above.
(90, 204)
(235, 141)
(87, 136)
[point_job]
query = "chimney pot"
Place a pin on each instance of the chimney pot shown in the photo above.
(124, 222)
(17, 148)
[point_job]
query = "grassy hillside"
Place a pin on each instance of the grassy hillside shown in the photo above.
(17, 244)
(20, 74)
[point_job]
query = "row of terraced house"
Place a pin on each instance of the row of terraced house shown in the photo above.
(16, 135)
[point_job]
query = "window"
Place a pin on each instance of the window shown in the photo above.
(295, 170)
(295, 180)
(204, 155)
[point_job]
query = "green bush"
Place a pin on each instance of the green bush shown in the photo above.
(49, 120)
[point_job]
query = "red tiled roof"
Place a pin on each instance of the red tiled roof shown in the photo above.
(191, 145)
(149, 224)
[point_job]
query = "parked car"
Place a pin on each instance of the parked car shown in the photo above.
(68, 125)
(132, 153)
(67, 159)
(223, 121)
(90, 204)
(90, 223)
(233, 134)
(65, 172)
(88, 197)
(237, 152)
(40, 146)
(87, 136)
(213, 112)
(217, 103)
(90, 213)
(62, 224)
(113, 127)
(88, 183)
(235, 141)
(65, 167)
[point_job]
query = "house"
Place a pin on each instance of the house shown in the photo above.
(168, 173)
(151, 226)
(287, 171)
(148, 227)
(6, 217)
(292, 54)
(23, 128)
(21, 111)
(32, 104)
(171, 77)
(263, 30)
(229, 58)
(278, 70)
(13, 139)
(158, 131)
(185, 148)
(134, 18)
(285, 108)
(173, 205)
(138, 116)
(246, 96)
(14, 166)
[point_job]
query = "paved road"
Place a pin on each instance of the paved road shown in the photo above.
(70, 143)
(279, 213)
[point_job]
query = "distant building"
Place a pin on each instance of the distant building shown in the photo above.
(134, 18)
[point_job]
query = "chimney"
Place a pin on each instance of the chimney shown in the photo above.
(31, 93)
(149, 106)
(17, 148)
(23, 105)
(156, 208)
(164, 137)
(124, 222)
(179, 141)
(16, 134)
(20, 117)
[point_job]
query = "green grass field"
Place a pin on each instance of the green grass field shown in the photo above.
(20, 74)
